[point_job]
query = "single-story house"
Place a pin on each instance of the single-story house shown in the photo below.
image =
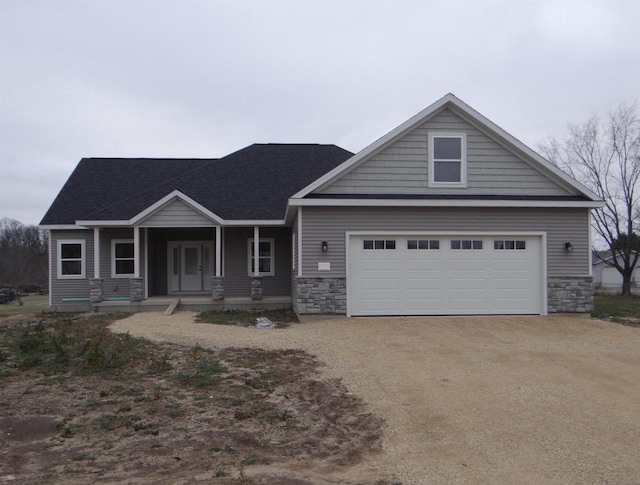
(606, 278)
(446, 214)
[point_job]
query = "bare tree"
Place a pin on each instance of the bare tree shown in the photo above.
(23, 256)
(605, 157)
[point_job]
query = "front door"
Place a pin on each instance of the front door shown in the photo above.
(189, 266)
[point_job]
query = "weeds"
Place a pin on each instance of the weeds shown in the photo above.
(282, 317)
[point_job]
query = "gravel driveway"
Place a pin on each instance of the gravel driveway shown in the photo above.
(495, 400)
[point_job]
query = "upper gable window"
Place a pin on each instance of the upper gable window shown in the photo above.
(447, 159)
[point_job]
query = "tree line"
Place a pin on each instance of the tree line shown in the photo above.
(24, 257)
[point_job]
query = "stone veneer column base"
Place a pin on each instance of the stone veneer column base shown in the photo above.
(320, 295)
(135, 289)
(96, 290)
(217, 285)
(256, 287)
(572, 294)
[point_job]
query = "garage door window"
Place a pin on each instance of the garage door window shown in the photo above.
(379, 244)
(466, 244)
(423, 244)
(509, 244)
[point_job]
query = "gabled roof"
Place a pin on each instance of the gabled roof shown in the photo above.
(451, 102)
(253, 183)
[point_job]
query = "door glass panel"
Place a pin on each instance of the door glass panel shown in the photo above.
(190, 261)
(176, 261)
(206, 261)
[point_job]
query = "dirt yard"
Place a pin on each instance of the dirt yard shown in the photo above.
(80, 404)
(527, 400)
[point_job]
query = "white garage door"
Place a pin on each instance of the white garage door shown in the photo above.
(444, 275)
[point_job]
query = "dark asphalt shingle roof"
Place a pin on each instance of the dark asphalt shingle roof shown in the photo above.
(251, 184)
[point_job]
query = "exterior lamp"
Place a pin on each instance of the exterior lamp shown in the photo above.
(325, 246)
(568, 247)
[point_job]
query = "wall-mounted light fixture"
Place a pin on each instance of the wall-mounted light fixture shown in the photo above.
(568, 247)
(325, 246)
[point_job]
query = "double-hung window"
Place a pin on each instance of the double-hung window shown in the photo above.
(265, 257)
(71, 259)
(122, 258)
(447, 159)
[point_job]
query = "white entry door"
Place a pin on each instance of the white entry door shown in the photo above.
(189, 266)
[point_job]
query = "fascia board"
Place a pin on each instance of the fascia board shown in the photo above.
(375, 146)
(176, 194)
(250, 222)
(60, 227)
(441, 203)
(98, 223)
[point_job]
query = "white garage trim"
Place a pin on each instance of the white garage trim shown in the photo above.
(541, 296)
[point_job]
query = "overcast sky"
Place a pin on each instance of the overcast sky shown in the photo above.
(205, 78)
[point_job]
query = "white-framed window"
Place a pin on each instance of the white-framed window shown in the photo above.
(265, 257)
(379, 244)
(473, 244)
(447, 159)
(423, 244)
(122, 258)
(71, 259)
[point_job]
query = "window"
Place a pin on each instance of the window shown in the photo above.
(447, 159)
(509, 244)
(466, 244)
(122, 258)
(71, 259)
(266, 260)
(423, 244)
(379, 244)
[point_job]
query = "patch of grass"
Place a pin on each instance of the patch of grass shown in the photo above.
(282, 317)
(30, 304)
(55, 344)
(623, 309)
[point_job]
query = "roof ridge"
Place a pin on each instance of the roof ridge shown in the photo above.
(149, 158)
(120, 201)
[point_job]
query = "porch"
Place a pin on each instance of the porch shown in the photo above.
(199, 303)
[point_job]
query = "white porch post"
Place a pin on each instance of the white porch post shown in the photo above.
(256, 279)
(218, 251)
(256, 249)
(96, 252)
(136, 252)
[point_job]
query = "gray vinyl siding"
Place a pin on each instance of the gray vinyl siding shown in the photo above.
(70, 288)
(402, 167)
(177, 214)
(237, 282)
(331, 224)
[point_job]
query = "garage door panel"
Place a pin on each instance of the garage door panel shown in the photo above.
(445, 281)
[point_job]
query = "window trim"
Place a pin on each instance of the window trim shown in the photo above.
(272, 254)
(463, 161)
(83, 259)
(113, 258)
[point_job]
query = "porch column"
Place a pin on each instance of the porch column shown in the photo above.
(136, 290)
(96, 284)
(136, 252)
(218, 251)
(96, 252)
(217, 281)
(256, 279)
